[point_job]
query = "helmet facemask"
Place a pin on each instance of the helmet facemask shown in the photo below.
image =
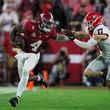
(93, 19)
(87, 26)
(90, 26)
(47, 25)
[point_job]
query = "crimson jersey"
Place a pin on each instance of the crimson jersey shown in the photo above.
(35, 39)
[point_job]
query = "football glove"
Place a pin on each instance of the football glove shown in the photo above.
(69, 33)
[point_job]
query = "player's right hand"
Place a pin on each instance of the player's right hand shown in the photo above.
(69, 33)
(71, 37)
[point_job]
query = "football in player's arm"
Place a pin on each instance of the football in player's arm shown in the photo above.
(17, 39)
(26, 41)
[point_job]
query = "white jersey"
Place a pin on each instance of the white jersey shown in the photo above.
(105, 44)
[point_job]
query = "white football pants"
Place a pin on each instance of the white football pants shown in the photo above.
(26, 63)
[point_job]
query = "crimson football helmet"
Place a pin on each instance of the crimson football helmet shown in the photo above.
(45, 21)
(92, 20)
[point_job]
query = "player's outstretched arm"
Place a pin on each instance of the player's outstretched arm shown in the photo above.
(86, 45)
(91, 42)
(80, 34)
(61, 38)
(76, 34)
(65, 35)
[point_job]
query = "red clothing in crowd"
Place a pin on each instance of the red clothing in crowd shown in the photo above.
(7, 46)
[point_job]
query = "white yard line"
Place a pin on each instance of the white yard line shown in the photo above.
(6, 90)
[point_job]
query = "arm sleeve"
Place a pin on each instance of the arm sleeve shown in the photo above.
(91, 42)
(60, 37)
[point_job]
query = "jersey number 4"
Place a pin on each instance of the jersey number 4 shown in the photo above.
(36, 45)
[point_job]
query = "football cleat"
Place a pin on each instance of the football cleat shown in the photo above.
(41, 80)
(13, 101)
(104, 79)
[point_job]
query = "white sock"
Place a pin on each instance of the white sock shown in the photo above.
(38, 78)
(84, 79)
(18, 97)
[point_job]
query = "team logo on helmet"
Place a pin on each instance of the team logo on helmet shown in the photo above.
(46, 21)
(93, 19)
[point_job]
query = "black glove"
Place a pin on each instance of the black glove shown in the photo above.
(69, 33)
(71, 37)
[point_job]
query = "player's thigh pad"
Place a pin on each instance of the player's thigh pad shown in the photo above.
(97, 64)
(31, 61)
(22, 56)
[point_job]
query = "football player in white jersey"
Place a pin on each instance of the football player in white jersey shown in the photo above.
(100, 36)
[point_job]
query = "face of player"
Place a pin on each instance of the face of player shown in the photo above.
(48, 25)
(88, 26)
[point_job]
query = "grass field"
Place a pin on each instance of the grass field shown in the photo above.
(60, 99)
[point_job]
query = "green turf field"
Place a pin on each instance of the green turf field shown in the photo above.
(60, 99)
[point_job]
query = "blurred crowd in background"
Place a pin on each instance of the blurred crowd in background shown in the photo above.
(67, 14)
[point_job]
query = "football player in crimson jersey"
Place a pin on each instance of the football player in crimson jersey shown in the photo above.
(27, 41)
(100, 36)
